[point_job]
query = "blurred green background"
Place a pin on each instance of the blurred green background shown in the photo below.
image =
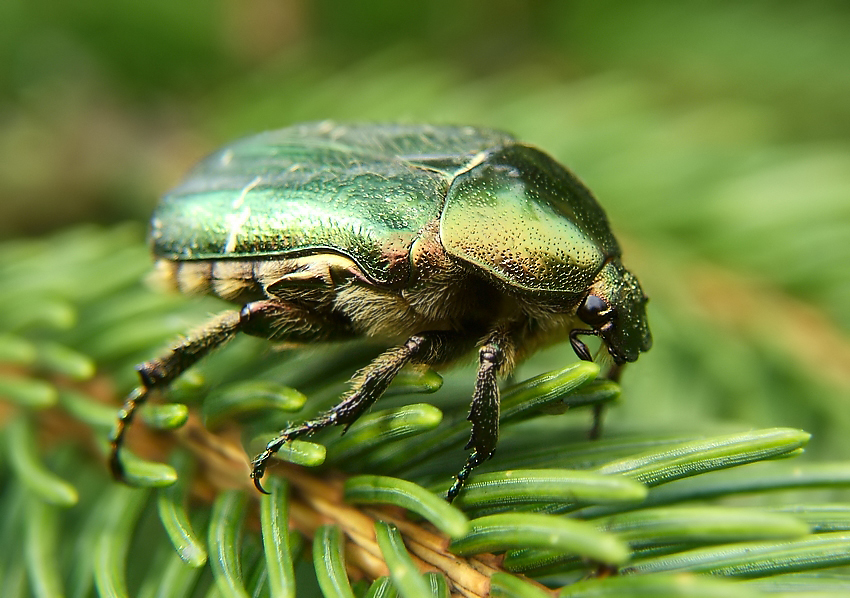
(716, 135)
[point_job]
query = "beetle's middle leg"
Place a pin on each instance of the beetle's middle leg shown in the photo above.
(430, 348)
(267, 318)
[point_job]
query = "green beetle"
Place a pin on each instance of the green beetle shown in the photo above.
(439, 239)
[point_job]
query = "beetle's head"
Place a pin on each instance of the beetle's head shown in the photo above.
(614, 309)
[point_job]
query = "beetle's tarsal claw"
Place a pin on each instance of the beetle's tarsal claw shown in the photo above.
(258, 468)
(258, 484)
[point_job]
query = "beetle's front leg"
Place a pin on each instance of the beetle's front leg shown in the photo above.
(493, 357)
(367, 386)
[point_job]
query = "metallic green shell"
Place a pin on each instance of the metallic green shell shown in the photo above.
(364, 191)
(526, 219)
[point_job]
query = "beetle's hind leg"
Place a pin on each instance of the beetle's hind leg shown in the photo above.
(266, 318)
(368, 385)
(161, 371)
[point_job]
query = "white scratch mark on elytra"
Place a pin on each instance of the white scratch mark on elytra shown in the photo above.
(237, 203)
(237, 220)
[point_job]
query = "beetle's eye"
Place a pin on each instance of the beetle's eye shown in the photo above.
(595, 310)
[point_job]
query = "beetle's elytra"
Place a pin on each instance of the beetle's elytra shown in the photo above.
(438, 239)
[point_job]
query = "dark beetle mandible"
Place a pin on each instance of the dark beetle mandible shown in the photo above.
(441, 239)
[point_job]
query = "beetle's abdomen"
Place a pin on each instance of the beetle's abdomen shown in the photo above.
(240, 281)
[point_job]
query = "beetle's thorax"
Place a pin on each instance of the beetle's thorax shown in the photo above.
(526, 220)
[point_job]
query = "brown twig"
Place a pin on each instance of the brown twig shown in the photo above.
(316, 501)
